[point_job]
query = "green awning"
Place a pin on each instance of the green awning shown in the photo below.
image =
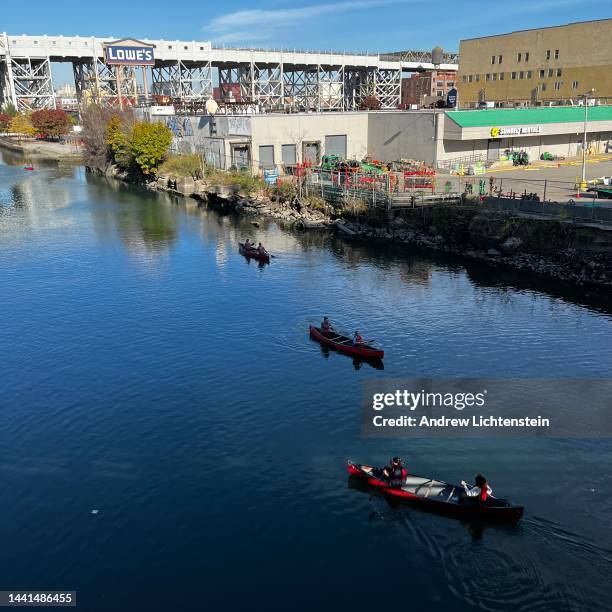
(526, 116)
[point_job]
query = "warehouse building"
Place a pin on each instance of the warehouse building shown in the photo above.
(437, 137)
(537, 67)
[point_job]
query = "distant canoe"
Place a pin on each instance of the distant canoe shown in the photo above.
(345, 344)
(253, 253)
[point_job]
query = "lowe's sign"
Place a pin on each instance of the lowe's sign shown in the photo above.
(128, 52)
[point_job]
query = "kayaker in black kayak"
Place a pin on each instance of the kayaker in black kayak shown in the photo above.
(481, 489)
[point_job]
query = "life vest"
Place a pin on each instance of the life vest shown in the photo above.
(325, 326)
(358, 339)
(484, 493)
(398, 475)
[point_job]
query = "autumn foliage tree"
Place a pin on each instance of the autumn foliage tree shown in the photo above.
(370, 103)
(5, 122)
(118, 141)
(51, 123)
(21, 125)
(149, 144)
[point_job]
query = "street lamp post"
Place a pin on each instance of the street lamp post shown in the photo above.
(585, 97)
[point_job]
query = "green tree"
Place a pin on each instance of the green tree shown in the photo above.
(117, 138)
(21, 124)
(149, 144)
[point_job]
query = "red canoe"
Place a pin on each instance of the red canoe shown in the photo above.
(253, 253)
(345, 345)
(440, 497)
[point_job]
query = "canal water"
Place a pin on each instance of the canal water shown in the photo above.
(171, 439)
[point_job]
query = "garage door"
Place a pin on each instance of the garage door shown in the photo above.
(335, 145)
(493, 150)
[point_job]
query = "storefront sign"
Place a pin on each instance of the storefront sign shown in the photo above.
(496, 132)
(129, 53)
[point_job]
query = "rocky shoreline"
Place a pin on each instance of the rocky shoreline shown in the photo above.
(543, 248)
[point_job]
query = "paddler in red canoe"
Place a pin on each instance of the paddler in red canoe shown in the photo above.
(481, 490)
(248, 245)
(395, 474)
(261, 250)
(357, 339)
(326, 327)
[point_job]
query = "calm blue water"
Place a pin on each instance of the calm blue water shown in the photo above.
(150, 373)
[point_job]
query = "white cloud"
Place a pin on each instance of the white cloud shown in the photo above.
(261, 24)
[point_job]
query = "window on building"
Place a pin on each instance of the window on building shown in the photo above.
(559, 71)
(518, 57)
(464, 78)
(439, 93)
(521, 75)
(470, 78)
(487, 77)
(542, 73)
(494, 76)
(450, 83)
(266, 156)
(499, 59)
(440, 83)
(574, 84)
(169, 46)
(492, 59)
(548, 54)
(501, 76)
(513, 75)
(288, 154)
(557, 85)
(550, 72)
(543, 86)
(477, 78)
(529, 74)
(527, 56)
(556, 53)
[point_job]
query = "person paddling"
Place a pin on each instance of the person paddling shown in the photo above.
(396, 472)
(357, 339)
(326, 327)
(248, 245)
(481, 489)
(261, 250)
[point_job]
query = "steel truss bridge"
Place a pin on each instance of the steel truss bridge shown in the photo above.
(184, 70)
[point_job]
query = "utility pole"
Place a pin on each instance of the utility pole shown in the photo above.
(584, 137)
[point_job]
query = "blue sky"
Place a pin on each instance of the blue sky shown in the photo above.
(360, 25)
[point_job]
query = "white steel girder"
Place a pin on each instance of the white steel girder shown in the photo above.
(96, 82)
(331, 88)
(389, 87)
(268, 84)
(301, 87)
(181, 80)
(32, 83)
